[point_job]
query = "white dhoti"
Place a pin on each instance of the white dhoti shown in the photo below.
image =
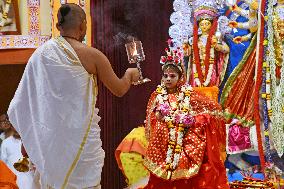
(54, 112)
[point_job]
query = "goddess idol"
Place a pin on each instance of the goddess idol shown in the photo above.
(206, 52)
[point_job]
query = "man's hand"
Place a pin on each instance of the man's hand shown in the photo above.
(133, 74)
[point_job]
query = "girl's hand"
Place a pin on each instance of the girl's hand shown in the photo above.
(159, 116)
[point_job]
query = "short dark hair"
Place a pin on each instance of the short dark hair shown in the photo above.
(70, 15)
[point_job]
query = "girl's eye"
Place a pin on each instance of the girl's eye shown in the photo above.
(172, 75)
(165, 75)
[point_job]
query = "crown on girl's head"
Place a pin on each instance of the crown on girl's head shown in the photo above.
(173, 56)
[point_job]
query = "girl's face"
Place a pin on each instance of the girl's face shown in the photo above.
(170, 78)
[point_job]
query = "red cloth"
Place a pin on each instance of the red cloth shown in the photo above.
(201, 152)
(240, 100)
(206, 179)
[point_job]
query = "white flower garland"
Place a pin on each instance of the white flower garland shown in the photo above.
(181, 110)
(275, 107)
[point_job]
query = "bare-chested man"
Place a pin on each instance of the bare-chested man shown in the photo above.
(54, 106)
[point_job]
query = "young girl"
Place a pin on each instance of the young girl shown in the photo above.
(186, 133)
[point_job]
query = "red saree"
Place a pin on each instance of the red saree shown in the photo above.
(238, 94)
(200, 164)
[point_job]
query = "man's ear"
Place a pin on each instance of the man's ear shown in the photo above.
(82, 26)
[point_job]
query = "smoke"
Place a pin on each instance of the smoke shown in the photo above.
(136, 16)
(122, 38)
(128, 23)
(128, 19)
(117, 21)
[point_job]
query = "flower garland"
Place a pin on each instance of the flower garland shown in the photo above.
(177, 118)
(208, 77)
(266, 94)
(208, 62)
(277, 103)
(265, 97)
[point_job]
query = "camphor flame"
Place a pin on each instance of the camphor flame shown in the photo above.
(135, 49)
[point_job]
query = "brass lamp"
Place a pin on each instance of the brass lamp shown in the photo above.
(22, 165)
(136, 55)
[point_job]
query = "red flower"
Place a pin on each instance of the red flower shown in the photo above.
(170, 58)
(163, 59)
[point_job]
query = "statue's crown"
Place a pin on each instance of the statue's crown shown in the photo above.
(204, 9)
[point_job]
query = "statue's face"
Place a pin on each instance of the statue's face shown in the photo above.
(205, 26)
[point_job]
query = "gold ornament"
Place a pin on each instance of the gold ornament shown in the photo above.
(22, 165)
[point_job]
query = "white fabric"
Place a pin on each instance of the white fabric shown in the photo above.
(11, 153)
(89, 168)
(2, 137)
(53, 109)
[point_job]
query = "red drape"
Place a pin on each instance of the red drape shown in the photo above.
(148, 20)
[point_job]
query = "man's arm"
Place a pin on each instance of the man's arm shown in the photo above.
(101, 66)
